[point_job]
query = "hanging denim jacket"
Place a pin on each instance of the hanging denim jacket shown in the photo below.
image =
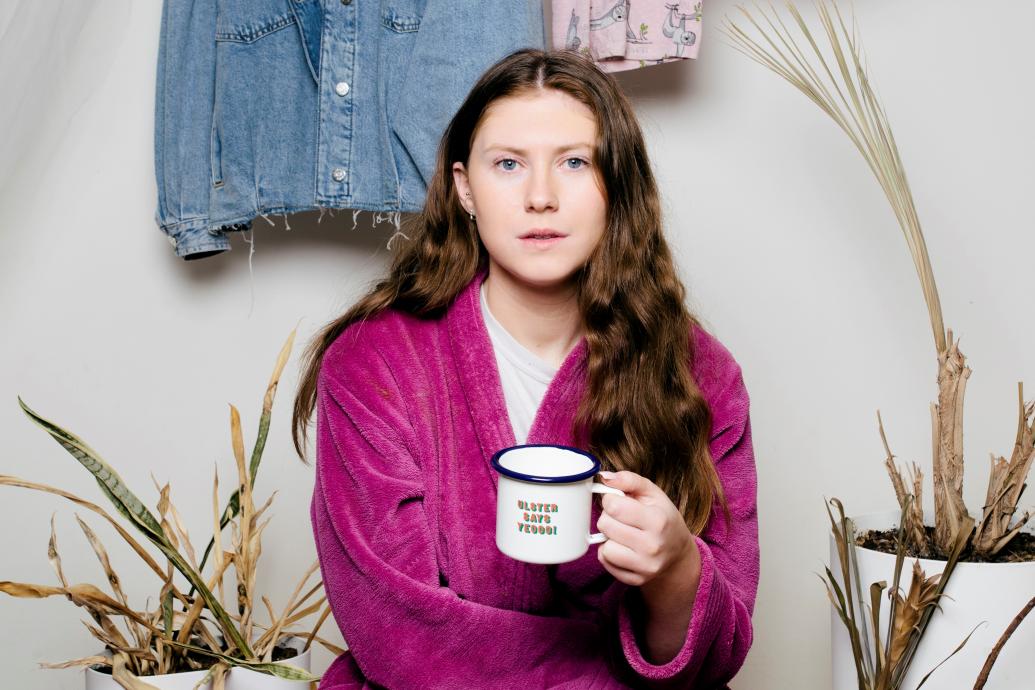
(277, 106)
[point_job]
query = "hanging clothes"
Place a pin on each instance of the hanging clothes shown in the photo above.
(628, 34)
(276, 106)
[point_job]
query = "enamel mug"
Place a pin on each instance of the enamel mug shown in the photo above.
(544, 502)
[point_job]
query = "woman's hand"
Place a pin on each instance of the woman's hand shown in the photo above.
(647, 538)
(649, 546)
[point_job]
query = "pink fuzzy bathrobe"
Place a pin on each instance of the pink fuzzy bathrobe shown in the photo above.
(409, 413)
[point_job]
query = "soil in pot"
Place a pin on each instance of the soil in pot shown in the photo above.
(281, 652)
(1020, 549)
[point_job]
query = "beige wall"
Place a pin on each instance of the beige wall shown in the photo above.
(789, 249)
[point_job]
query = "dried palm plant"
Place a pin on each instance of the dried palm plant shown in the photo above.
(841, 87)
(883, 667)
(185, 631)
(846, 94)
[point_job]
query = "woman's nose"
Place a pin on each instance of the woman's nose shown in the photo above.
(541, 193)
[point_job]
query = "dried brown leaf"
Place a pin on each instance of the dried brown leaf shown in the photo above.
(52, 554)
(6, 480)
(923, 593)
(85, 661)
(121, 674)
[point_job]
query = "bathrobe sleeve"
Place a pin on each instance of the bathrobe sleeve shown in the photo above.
(720, 630)
(377, 555)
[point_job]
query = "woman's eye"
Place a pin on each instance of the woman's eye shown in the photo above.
(509, 164)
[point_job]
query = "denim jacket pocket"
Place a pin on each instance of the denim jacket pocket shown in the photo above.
(246, 21)
(401, 17)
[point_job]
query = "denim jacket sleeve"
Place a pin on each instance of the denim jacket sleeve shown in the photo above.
(183, 124)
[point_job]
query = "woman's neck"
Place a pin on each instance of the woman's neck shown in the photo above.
(546, 321)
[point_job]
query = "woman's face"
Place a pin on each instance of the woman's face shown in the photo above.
(531, 170)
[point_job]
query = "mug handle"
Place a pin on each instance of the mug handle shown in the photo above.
(598, 488)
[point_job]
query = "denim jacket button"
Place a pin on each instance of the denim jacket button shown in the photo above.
(346, 2)
(341, 88)
(338, 174)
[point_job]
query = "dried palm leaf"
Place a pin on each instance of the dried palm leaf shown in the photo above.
(922, 594)
(1006, 484)
(863, 119)
(913, 518)
(842, 598)
(960, 646)
(908, 616)
(962, 538)
(848, 97)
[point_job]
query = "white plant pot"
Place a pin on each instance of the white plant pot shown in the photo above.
(990, 594)
(237, 679)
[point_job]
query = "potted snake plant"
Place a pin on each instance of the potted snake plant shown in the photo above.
(192, 638)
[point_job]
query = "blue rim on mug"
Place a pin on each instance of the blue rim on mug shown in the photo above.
(545, 480)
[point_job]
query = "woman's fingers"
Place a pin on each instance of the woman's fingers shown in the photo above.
(619, 531)
(630, 511)
(617, 560)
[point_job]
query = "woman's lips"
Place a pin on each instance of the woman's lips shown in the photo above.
(541, 243)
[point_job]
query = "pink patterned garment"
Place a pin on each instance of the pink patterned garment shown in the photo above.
(628, 34)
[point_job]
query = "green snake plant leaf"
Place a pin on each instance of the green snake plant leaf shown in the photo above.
(279, 669)
(124, 500)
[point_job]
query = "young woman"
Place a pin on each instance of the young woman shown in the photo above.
(485, 335)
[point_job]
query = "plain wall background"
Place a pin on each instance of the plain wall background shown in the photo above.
(785, 241)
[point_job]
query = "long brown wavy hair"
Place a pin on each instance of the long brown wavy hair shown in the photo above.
(642, 410)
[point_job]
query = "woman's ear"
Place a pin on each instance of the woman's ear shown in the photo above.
(460, 179)
(463, 188)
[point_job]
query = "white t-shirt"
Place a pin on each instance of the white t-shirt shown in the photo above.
(525, 377)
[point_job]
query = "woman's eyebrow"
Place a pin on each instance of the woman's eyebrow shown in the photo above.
(522, 152)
